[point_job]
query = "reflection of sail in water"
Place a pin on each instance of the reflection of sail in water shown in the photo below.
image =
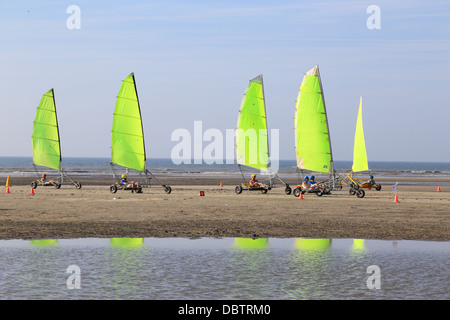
(249, 264)
(126, 242)
(124, 260)
(250, 243)
(311, 258)
(41, 266)
(358, 245)
(312, 244)
(44, 242)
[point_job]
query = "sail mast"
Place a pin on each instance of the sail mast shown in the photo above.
(265, 118)
(140, 115)
(326, 118)
(57, 127)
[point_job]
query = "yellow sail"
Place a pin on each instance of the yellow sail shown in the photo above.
(127, 138)
(312, 137)
(252, 146)
(359, 148)
(45, 138)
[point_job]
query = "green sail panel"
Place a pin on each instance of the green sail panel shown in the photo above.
(252, 146)
(45, 137)
(127, 138)
(312, 138)
(359, 147)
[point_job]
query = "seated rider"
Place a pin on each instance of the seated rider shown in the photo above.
(46, 182)
(253, 182)
(127, 184)
(369, 183)
(313, 184)
(305, 185)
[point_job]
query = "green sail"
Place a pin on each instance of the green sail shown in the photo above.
(252, 146)
(312, 138)
(45, 137)
(359, 147)
(127, 138)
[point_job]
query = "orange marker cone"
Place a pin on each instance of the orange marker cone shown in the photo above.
(439, 188)
(221, 184)
(396, 198)
(8, 184)
(301, 195)
(32, 190)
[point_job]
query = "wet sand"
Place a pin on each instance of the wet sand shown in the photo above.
(93, 212)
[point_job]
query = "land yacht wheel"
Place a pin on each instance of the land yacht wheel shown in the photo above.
(360, 193)
(288, 190)
(113, 188)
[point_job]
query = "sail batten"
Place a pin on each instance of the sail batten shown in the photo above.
(252, 146)
(45, 137)
(312, 135)
(127, 138)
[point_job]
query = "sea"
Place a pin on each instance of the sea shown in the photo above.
(23, 166)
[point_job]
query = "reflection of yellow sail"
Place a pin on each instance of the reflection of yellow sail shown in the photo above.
(312, 244)
(250, 243)
(44, 242)
(358, 244)
(247, 266)
(126, 242)
(125, 257)
(312, 260)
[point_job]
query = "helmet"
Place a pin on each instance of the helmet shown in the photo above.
(371, 177)
(253, 175)
(306, 177)
(124, 176)
(44, 175)
(312, 178)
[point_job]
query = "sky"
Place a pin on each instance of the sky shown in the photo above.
(192, 61)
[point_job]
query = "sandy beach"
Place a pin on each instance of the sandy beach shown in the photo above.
(422, 212)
